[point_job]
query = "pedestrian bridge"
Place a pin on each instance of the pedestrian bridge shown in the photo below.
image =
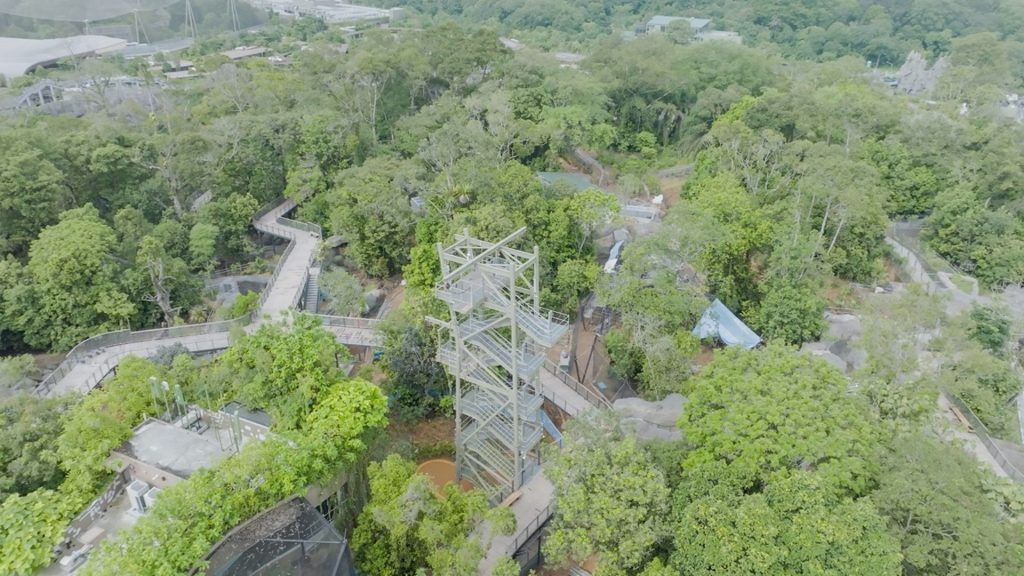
(94, 358)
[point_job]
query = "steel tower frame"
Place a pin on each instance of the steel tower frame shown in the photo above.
(493, 344)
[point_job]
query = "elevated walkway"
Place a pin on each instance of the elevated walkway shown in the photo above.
(93, 359)
(532, 508)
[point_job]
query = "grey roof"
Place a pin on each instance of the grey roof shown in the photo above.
(663, 21)
(577, 181)
(172, 449)
(20, 55)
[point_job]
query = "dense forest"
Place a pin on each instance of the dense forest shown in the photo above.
(798, 160)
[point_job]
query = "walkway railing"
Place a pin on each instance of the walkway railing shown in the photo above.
(982, 433)
(531, 528)
(90, 346)
(304, 226)
(94, 344)
(349, 322)
(594, 398)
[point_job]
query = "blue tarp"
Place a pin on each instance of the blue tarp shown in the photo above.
(719, 322)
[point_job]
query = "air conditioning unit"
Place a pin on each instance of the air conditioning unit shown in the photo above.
(151, 497)
(137, 495)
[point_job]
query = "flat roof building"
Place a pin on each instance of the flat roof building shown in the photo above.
(163, 454)
(661, 23)
(243, 52)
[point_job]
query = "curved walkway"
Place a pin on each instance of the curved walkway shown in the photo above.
(91, 360)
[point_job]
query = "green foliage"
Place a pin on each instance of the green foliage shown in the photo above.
(244, 304)
(284, 372)
(574, 279)
(791, 311)
(985, 383)
(73, 291)
(415, 378)
(17, 373)
(29, 428)
(103, 421)
(344, 292)
(230, 217)
(31, 526)
(795, 526)
(373, 213)
(754, 414)
(934, 499)
(202, 245)
(912, 188)
(626, 358)
(34, 523)
(405, 527)
(990, 327)
(611, 500)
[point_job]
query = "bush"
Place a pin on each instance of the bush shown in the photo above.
(990, 327)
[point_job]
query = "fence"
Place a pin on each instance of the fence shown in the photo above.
(531, 528)
(590, 396)
(982, 433)
(349, 322)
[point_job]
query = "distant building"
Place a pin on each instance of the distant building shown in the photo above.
(40, 93)
(243, 52)
(19, 56)
(661, 23)
(512, 44)
(720, 323)
(577, 181)
(569, 59)
(290, 538)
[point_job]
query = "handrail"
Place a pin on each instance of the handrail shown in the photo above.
(349, 321)
(122, 337)
(531, 527)
(982, 433)
(286, 229)
(591, 397)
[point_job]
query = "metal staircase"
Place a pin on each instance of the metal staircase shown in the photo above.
(494, 344)
(311, 302)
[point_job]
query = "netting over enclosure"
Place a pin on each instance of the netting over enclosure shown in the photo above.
(79, 10)
(291, 538)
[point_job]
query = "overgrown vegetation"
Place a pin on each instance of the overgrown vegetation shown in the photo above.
(800, 159)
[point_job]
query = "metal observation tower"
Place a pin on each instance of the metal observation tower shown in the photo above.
(494, 344)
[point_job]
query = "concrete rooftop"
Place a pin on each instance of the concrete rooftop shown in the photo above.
(172, 449)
